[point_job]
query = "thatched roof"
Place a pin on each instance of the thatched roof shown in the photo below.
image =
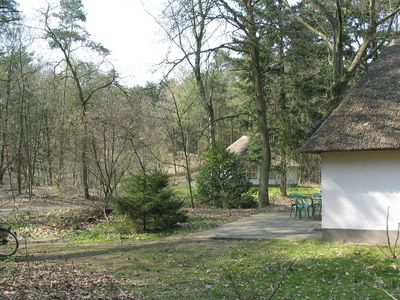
(240, 146)
(368, 118)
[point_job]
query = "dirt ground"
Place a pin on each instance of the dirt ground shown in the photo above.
(53, 271)
(43, 199)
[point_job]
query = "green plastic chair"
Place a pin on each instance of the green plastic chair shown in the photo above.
(316, 204)
(293, 206)
(299, 205)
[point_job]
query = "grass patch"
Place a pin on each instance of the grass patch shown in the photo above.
(274, 191)
(117, 229)
(191, 269)
(216, 270)
(182, 191)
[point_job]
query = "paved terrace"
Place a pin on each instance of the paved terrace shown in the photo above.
(266, 226)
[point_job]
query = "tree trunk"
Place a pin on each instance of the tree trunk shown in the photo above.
(62, 133)
(84, 160)
(254, 45)
(285, 133)
(338, 88)
(185, 148)
(4, 117)
(283, 177)
(207, 103)
(49, 150)
(21, 132)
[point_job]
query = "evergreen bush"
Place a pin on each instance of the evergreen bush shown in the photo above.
(222, 181)
(150, 203)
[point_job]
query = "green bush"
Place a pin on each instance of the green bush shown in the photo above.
(150, 203)
(222, 182)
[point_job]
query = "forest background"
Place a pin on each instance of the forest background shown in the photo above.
(264, 68)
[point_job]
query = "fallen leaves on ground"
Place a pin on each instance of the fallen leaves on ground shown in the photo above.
(57, 281)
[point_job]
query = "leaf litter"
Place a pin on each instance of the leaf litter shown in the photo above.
(37, 280)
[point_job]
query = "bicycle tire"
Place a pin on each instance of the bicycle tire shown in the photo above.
(9, 242)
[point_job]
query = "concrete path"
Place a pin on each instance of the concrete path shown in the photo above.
(266, 226)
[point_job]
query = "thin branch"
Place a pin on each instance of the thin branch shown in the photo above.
(389, 16)
(334, 285)
(387, 293)
(278, 286)
(308, 26)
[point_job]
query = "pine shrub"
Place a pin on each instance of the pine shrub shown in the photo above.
(222, 181)
(150, 203)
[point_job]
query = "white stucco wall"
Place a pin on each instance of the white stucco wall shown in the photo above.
(358, 187)
(256, 181)
(293, 176)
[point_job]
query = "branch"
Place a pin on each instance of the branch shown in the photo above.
(364, 46)
(187, 55)
(236, 19)
(107, 84)
(334, 285)
(309, 27)
(328, 15)
(391, 15)
(231, 117)
(159, 160)
(221, 119)
(282, 279)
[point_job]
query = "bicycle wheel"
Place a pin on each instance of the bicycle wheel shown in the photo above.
(8, 242)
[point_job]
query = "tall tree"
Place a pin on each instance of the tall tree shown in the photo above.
(68, 37)
(244, 16)
(188, 25)
(8, 15)
(353, 32)
(180, 115)
(113, 129)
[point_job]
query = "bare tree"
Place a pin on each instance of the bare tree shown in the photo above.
(69, 37)
(189, 26)
(110, 135)
(180, 114)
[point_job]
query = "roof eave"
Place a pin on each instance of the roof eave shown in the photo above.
(319, 151)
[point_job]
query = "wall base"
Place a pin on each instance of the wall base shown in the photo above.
(358, 236)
